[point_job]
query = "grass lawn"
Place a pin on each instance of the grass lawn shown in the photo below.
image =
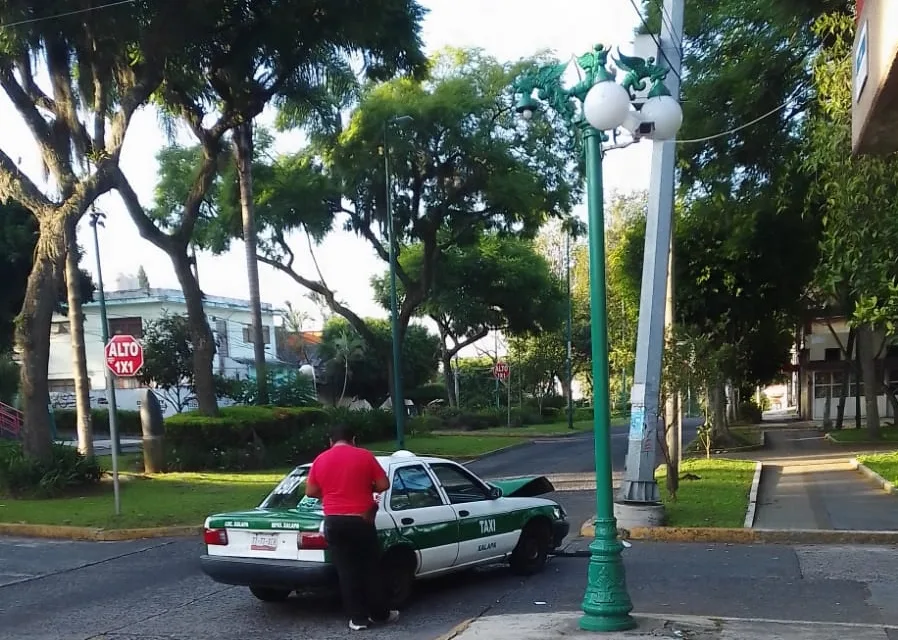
(743, 436)
(448, 446)
(862, 436)
(167, 499)
(885, 464)
(719, 498)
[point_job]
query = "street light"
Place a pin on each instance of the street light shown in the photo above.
(96, 220)
(604, 105)
(398, 398)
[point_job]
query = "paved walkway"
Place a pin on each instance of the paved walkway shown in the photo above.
(808, 484)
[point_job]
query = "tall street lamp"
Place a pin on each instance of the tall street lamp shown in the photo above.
(398, 398)
(568, 329)
(96, 220)
(604, 106)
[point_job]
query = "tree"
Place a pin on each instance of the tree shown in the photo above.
(168, 359)
(101, 69)
(348, 347)
(499, 282)
(368, 378)
(858, 267)
(539, 363)
(266, 49)
(295, 319)
(463, 167)
(142, 280)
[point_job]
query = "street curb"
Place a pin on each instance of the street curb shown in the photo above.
(886, 486)
(457, 630)
(90, 534)
(753, 495)
(750, 536)
(861, 443)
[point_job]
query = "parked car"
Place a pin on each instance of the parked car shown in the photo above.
(436, 518)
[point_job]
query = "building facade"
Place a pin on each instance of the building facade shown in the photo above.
(875, 78)
(822, 368)
(128, 311)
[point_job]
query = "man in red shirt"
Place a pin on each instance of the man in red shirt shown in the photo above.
(345, 479)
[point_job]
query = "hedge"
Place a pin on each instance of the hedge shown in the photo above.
(128, 421)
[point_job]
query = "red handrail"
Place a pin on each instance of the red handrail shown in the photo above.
(10, 421)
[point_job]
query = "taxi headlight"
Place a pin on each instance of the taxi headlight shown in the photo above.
(559, 513)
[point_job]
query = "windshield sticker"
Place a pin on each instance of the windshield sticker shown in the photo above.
(289, 484)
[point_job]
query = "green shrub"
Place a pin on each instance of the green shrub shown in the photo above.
(427, 393)
(583, 414)
(368, 426)
(128, 421)
(66, 470)
(749, 412)
(423, 424)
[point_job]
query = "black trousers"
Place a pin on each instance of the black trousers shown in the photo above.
(356, 552)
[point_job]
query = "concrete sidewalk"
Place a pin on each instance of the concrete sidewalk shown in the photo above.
(809, 484)
(554, 625)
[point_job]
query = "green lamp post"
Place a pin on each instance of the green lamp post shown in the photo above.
(604, 106)
(398, 399)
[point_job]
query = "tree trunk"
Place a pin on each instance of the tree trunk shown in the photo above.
(33, 336)
(200, 334)
(243, 152)
(448, 376)
(867, 353)
(717, 400)
(846, 378)
(672, 448)
(76, 333)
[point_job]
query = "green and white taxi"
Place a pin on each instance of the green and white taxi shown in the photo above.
(436, 518)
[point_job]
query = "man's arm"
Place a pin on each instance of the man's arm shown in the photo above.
(381, 482)
(313, 490)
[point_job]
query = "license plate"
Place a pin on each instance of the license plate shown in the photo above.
(264, 542)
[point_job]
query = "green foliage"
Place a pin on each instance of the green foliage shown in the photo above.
(168, 359)
(427, 393)
(128, 421)
(749, 412)
(286, 388)
(368, 375)
(21, 476)
(538, 362)
(858, 196)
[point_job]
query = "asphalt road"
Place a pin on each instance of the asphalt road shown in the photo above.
(154, 590)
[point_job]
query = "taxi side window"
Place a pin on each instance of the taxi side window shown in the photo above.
(459, 485)
(412, 488)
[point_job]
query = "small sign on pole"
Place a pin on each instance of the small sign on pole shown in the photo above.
(500, 371)
(124, 356)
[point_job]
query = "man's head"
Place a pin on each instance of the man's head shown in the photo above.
(342, 432)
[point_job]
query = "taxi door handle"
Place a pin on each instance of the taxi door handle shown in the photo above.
(408, 521)
(463, 513)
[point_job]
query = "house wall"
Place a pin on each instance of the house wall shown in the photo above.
(228, 324)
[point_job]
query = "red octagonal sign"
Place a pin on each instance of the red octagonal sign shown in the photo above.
(124, 356)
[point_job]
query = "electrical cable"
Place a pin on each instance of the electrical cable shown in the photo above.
(65, 14)
(655, 38)
(741, 126)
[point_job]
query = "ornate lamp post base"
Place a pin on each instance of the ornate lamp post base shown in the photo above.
(606, 603)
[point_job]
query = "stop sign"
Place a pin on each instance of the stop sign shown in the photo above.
(124, 356)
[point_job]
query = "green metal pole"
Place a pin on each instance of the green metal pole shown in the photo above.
(606, 603)
(570, 320)
(398, 395)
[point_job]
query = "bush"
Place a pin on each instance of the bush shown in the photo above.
(128, 421)
(246, 438)
(427, 393)
(749, 412)
(424, 424)
(368, 426)
(66, 470)
(583, 414)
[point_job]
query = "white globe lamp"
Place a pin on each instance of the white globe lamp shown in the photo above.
(606, 105)
(666, 114)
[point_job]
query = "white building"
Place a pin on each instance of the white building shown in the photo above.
(128, 310)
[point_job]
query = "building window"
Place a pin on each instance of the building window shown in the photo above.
(832, 381)
(126, 327)
(248, 334)
(832, 355)
(127, 383)
(61, 386)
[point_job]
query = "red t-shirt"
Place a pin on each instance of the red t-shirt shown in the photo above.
(346, 475)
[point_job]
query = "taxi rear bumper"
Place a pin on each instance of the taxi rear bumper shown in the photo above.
(271, 573)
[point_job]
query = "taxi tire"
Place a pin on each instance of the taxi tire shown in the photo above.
(398, 571)
(266, 594)
(532, 551)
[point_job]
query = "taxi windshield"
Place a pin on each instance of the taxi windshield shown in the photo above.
(291, 492)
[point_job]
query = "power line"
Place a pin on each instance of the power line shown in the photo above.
(66, 14)
(741, 126)
(645, 24)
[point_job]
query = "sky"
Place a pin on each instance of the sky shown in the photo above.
(505, 29)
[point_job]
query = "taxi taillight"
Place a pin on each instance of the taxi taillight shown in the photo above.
(313, 541)
(217, 537)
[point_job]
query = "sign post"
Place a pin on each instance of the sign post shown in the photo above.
(124, 359)
(501, 372)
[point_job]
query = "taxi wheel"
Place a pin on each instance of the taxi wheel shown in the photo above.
(398, 570)
(532, 551)
(269, 595)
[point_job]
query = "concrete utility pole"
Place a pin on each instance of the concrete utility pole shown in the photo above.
(638, 488)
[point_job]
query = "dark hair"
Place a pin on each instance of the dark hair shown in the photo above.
(341, 432)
